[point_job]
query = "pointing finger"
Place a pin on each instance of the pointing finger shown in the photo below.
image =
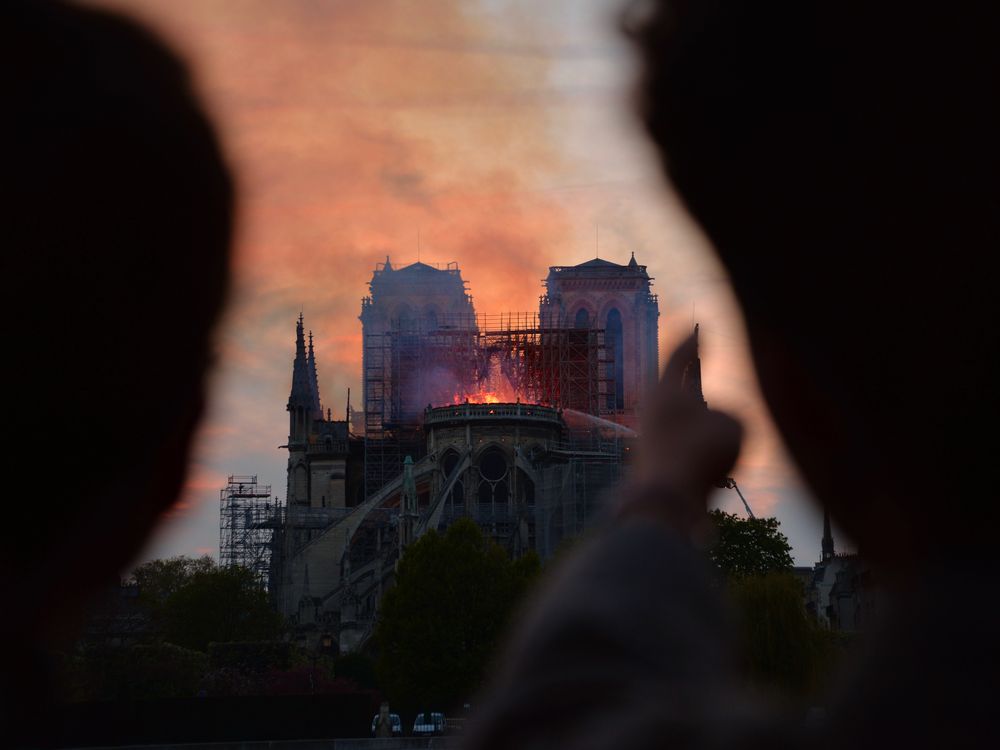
(673, 373)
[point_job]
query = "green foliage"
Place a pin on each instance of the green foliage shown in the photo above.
(785, 649)
(749, 546)
(223, 604)
(158, 579)
(441, 624)
(358, 668)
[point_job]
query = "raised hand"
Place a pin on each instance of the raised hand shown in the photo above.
(684, 451)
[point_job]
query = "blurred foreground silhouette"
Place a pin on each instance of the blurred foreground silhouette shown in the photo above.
(117, 212)
(842, 159)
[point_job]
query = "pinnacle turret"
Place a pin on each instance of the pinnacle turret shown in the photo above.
(691, 380)
(313, 380)
(301, 394)
(828, 550)
(303, 401)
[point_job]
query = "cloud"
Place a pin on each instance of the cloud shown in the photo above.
(497, 131)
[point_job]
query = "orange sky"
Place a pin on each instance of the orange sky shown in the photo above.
(500, 131)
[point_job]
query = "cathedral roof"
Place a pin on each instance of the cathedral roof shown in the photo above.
(419, 267)
(391, 279)
(598, 263)
(599, 267)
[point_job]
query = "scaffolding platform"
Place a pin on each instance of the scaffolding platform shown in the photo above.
(248, 519)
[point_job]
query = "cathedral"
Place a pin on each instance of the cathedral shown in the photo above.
(521, 422)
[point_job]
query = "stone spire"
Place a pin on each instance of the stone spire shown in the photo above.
(301, 401)
(313, 380)
(828, 550)
(301, 395)
(691, 379)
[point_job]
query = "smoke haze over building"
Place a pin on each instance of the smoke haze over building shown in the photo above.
(496, 134)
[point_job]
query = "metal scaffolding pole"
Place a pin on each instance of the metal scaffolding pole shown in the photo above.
(248, 519)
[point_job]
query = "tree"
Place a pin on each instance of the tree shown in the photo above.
(222, 604)
(441, 624)
(749, 546)
(783, 647)
(358, 668)
(158, 579)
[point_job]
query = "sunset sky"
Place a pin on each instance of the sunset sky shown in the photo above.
(501, 132)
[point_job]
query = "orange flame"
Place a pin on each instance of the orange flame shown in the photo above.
(499, 396)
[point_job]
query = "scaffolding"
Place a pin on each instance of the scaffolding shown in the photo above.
(575, 487)
(248, 519)
(410, 365)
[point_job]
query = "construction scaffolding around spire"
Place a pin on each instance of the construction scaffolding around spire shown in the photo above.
(247, 522)
(413, 364)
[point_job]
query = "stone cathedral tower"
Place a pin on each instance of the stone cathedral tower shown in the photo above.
(618, 299)
(318, 447)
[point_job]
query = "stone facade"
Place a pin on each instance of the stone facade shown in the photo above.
(618, 299)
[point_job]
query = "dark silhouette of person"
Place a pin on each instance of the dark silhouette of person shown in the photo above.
(117, 219)
(842, 158)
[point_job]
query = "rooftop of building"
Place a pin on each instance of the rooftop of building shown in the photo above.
(418, 268)
(437, 275)
(599, 267)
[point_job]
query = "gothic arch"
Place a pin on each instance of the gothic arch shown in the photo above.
(492, 462)
(586, 307)
(525, 488)
(492, 474)
(611, 303)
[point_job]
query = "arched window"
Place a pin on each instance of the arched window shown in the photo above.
(493, 477)
(616, 368)
(448, 462)
(493, 465)
(582, 318)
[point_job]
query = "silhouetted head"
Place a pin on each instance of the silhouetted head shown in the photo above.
(841, 158)
(117, 224)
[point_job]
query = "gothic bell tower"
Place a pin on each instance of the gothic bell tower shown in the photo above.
(617, 299)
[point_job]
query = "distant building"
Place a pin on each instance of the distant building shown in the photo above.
(841, 592)
(513, 420)
(319, 449)
(325, 479)
(854, 597)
